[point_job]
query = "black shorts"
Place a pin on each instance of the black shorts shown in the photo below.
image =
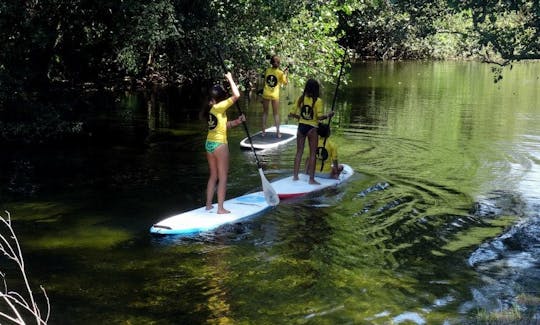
(304, 128)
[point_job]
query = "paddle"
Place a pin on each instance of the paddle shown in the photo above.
(270, 194)
(334, 101)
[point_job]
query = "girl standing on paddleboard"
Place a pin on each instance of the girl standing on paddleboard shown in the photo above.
(274, 77)
(309, 111)
(217, 149)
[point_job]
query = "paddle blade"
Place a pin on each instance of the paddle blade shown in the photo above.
(270, 194)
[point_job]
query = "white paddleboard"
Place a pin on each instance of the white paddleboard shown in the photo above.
(270, 139)
(245, 206)
(198, 220)
(287, 188)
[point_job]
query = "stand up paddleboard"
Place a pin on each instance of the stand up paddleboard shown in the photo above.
(245, 206)
(287, 188)
(270, 139)
(198, 220)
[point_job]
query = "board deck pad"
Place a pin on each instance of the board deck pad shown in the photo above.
(270, 139)
(288, 188)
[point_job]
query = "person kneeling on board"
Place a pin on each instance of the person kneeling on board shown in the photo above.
(327, 165)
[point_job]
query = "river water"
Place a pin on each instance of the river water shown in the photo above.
(439, 225)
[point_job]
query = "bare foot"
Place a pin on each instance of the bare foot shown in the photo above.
(295, 178)
(314, 182)
(209, 207)
(223, 211)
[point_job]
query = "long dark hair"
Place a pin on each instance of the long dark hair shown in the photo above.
(275, 60)
(217, 93)
(312, 90)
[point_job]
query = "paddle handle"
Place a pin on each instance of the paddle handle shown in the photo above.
(337, 84)
(222, 62)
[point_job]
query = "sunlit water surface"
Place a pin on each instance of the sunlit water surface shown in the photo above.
(441, 219)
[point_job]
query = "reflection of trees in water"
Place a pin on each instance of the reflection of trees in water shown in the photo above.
(217, 291)
(168, 107)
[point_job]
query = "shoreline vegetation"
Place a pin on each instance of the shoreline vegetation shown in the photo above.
(82, 46)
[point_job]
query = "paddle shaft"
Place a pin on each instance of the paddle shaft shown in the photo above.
(334, 99)
(270, 194)
(240, 111)
(337, 85)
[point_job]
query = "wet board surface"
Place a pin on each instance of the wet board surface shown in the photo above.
(288, 188)
(270, 139)
(198, 220)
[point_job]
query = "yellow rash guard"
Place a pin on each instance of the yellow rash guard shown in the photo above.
(308, 114)
(217, 121)
(273, 79)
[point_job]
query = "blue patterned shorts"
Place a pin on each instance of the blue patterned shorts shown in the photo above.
(211, 146)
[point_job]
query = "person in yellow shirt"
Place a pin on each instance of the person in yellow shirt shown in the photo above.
(327, 165)
(217, 149)
(309, 111)
(274, 77)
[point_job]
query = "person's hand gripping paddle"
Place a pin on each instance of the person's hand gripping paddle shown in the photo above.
(270, 194)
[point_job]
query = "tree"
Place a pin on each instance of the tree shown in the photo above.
(389, 29)
(304, 33)
(497, 31)
(505, 30)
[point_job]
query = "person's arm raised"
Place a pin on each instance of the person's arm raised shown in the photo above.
(234, 88)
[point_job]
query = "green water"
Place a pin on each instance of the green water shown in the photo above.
(445, 160)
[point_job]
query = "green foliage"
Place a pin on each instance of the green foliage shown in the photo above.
(505, 30)
(498, 31)
(148, 30)
(396, 30)
(302, 33)
(104, 41)
(94, 41)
